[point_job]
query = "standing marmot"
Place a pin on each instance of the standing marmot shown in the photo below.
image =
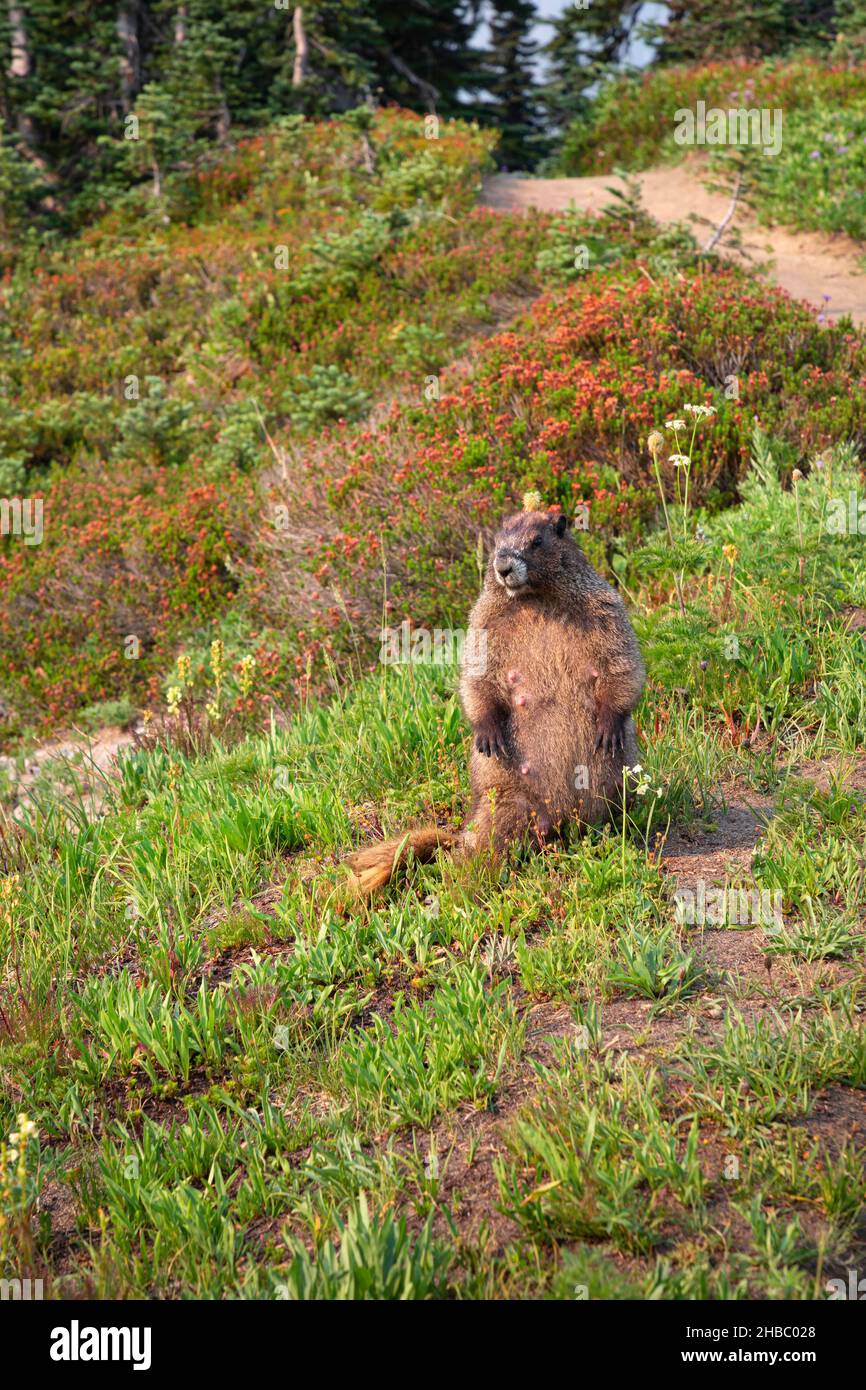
(551, 673)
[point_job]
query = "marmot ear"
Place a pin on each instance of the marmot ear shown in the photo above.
(561, 523)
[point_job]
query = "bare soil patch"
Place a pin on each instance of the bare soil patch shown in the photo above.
(809, 265)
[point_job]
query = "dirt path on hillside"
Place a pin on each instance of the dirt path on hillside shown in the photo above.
(76, 765)
(809, 265)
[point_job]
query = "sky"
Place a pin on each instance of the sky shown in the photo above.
(638, 54)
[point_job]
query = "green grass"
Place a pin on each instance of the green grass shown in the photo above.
(513, 1080)
(248, 1086)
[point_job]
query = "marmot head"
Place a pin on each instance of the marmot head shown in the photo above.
(534, 554)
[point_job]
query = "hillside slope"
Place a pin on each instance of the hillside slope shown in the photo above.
(631, 1066)
(495, 1082)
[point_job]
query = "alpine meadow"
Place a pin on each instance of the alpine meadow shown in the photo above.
(433, 667)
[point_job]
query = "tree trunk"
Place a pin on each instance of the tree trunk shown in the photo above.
(21, 68)
(20, 65)
(224, 119)
(299, 71)
(130, 54)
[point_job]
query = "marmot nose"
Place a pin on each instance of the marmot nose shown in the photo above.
(503, 567)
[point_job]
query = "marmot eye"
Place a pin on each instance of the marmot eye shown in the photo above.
(535, 542)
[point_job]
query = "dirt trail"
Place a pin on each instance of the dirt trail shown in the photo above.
(74, 765)
(809, 265)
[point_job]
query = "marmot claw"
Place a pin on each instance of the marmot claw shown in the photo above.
(490, 739)
(610, 735)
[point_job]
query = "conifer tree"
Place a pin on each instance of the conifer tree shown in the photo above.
(589, 42)
(514, 106)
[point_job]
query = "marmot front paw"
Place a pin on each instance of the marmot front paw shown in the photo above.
(490, 738)
(610, 730)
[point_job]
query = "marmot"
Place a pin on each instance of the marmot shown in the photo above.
(551, 672)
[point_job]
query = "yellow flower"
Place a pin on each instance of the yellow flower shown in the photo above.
(216, 659)
(184, 670)
(245, 678)
(532, 501)
(10, 897)
(9, 887)
(18, 1138)
(730, 554)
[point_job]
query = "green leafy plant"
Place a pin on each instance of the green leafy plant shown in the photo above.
(374, 1259)
(655, 967)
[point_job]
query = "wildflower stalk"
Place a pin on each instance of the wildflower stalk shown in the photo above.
(217, 666)
(625, 776)
(654, 444)
(681, 461)
(17, 1195)
(796, 478)
(664, 503)
(730, 554)
(688, 475)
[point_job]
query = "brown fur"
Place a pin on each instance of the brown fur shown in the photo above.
(372, 867)
(552, 701)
